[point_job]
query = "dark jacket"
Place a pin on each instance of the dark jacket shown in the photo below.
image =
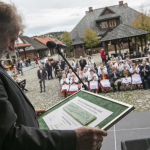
(137, 56)
(123, 57)
(19, 125)
(146, 50)
(44, 74)
(82, 64)
(147, 68)
(111, 75)
(54, 64)
(47, 67)
(62, 64)
(141, 55)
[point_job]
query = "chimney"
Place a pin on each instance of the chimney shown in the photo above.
(90, 9)
(120, 2)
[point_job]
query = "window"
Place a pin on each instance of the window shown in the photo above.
(112, 23)
(104, 24)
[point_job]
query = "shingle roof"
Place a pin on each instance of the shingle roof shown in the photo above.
(77, 41)
(22, 45)
(123, 31)
(46, 39)
(107, 16)
(35, 45)
(127, 15)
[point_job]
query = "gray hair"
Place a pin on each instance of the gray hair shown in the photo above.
(10, 18)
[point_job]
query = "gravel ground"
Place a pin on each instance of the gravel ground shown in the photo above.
(139, 98)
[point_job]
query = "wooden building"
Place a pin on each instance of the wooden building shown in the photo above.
(110, 23)
(78, 47)
(44, 39)
(36, 49)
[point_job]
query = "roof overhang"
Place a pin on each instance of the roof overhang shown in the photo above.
(105, 19)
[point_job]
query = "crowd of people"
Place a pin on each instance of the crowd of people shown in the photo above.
(116, 72)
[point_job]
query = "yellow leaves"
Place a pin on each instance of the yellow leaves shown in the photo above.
(90, 38)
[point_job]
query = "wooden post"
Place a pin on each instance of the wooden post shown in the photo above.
(145, 40)
(115, 47)
(24, 52)
(141, 43)
(129, 44)
(136, 49)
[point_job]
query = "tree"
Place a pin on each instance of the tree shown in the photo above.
(142, 21)
(67, 40)
(90, 38)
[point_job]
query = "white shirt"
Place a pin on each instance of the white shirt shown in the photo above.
(40, 71)
(104, 70)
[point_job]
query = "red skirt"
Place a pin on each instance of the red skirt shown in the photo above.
(61, 91)
(72, 92)
(104, 87)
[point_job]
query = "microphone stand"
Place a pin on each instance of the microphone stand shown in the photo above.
(60, 53)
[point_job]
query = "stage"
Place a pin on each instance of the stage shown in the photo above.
(133, 126)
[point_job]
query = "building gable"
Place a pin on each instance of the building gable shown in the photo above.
(106, 10)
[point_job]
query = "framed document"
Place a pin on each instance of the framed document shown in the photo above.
(84, 109)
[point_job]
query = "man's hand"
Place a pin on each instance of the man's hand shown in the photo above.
(39, 112)
(146, 70)
(142, 70)
(88, 138)
(39, 80)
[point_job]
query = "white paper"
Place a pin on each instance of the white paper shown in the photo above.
(61, 120)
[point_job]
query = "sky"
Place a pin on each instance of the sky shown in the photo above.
(44, 16)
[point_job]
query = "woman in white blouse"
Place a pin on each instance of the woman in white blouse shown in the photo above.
(65, 86)
(73, 84)
(75, 63)
(90, 62)
(93, 81)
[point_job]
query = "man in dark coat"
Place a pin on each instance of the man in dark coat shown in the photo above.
(146, 49)
(41, 76)
(19, 128)
(82, 62)
(62, 64)
(145, 74)
(48, 69)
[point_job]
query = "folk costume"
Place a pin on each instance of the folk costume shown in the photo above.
(83, 77)
(73, 85)
(93, 81)
(65, 86)
(136, 79)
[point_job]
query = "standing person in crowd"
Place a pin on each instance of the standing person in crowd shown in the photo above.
(123, 56)
(58, 69)
(145, 74)
(119, 57)
(29, 61)
(126, 79)
(73, 84)
(114, 76)
(74, 68)
(36, 60)
(146, 49)
(65, 86)
(48, 69)
(45, 59)
(102, 54)
(54, 67)
(107, 59)
(113, 58)
(19, 67)
(19, 128)
(122, 47)
(93, 81)
(62, 64)
(82, 62)
(41, 76)
(136, 79)
(90, 62)
(75, 63)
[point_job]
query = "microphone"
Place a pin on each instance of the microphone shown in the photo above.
(52, 45)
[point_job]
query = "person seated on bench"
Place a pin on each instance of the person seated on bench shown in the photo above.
(113, 58)
(126, 79)
(136, 79)
(135, 55)
(16, 78)
(119, 57)
(123, 56)
(145, 74)
(114, 75)
(141, 55)
(14, 70)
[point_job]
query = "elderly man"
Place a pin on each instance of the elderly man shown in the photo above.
(145, 74)
(82, 62)
(115, 80)
(18, 120)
